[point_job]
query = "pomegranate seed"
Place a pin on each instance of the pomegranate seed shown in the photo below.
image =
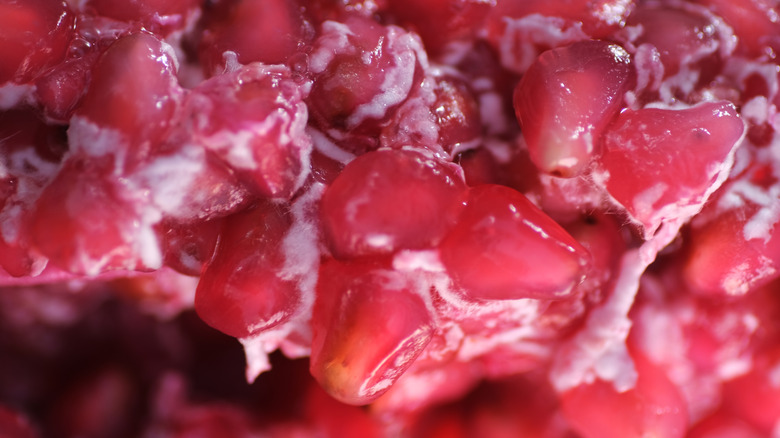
(362, 71)
(133, 94)
(364, 213)
(598, 18)
(267, 31)
(86, 224)
(244, 290)
(600, 234)
(754, 22)
(457, 113)
(722, 261)
(722, 425)
(30, 153)
(659, 162)
(368, 327)
(60, 89)
(681, 36)
(188, 247)
(755, 396)
(155, 15)
(652, 408)
(565, 101)
(35, 35)
(503, 247)
(440, 22)
(254, 120)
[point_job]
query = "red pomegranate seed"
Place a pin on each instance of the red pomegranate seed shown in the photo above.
(188, 247)
(723, 261)
(154, 15)
(244, 290)
(131, 101)
(600, 234)
(652, 408)
(362, 71)
(659, 162)
(365, 213)
(87, 223)
(681, 36)
(368, 327)
(444, 119)
(440, 22)
(457, 113)
(598, 18)
(254, 120)
(30, 154)
(723, 425)
(267, 31)
(35, 35)
(755, 22)
(60, 89)
(566, 99)
(504, 247)
(755, 396)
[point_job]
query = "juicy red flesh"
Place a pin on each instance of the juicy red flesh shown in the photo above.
(503, 247)
(566, 99)
(365, 214)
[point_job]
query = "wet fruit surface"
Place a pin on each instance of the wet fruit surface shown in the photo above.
(477, 218)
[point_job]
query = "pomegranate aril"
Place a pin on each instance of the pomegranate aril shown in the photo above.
(722, 261)
(653, 407)
(188, 247)
(362, 71)
(132, 98)
(85, 223)
(368, 327)
(457, 113)
(244, 290)
(440, 22)
(754, 22)
(658, 163)
(30, 153)
(723, 425)
(154, 15)
(254, 120)
(504, 247)
(755, 396)
(363, 212)
(565, 101)
(681, 36)
(597, 18)
(267, 31)
(60, 89)
(34, 35)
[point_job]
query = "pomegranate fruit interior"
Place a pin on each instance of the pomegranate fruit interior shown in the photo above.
(374, 218)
